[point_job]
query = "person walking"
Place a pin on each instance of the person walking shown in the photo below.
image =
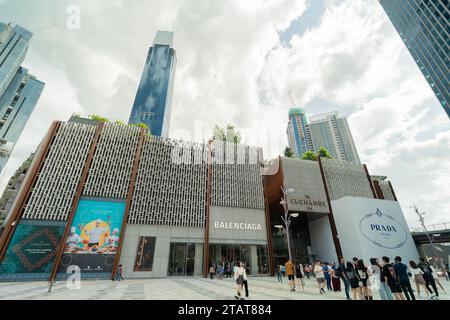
(211, 272)
(246, 280)
(335, 281)
(342, 274)
(239, 277)
(326, 272)
(428, 277)
(307, 271)
(290, 270)
(353, 279)
(401, 270)
(283, 270)
(278, 272)
(378, 281)
(418, 277)
(228, 270)
(320, 276)
(220, 272)
(119, 273)
(363, 274)
(299, 275)
(390, 277)
(436, 278)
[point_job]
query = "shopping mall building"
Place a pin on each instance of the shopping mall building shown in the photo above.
(98, 195)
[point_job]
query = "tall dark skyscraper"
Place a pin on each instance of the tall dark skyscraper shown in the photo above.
(19, 90)
(153, 101)
(424, 26)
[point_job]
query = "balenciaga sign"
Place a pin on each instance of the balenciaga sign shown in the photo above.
(237, 225)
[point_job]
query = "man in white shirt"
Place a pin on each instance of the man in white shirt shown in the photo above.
(95, 233)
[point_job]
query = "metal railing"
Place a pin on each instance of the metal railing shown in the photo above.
(433, 227)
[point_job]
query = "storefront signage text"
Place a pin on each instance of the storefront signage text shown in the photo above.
(237, 225)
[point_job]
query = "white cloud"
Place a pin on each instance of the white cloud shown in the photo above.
(232, 68)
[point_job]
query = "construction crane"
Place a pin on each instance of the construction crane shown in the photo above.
(292, 99)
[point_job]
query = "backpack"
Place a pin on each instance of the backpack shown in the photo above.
(426, 269)
(392, 271)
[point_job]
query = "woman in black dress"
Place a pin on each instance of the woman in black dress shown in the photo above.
(353, 279)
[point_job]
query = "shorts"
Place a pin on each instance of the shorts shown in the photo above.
(320, 280)
(418, 278)
(291, 277)
(354, 283)
(394, 286)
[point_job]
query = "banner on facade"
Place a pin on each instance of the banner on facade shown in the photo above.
(94, 236)
(31, 251)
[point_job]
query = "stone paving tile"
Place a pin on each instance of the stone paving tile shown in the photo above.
(173, 288)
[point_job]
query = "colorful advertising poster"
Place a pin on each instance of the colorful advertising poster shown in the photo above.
(94, 236)
(31, 251)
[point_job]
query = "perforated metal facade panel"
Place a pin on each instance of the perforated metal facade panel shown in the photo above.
(53, 194)
(304, 181)
(110, 171)
(171, 181)
(345, 179)
(170, 185)
(387, 191)
(236, 177)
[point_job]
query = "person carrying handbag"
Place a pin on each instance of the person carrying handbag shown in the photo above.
(239, 276)
(354, 280)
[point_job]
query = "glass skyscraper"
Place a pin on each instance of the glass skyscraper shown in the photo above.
(325, 130)
(19, 90)
(153, 101)
(296, 131)
(424, 26)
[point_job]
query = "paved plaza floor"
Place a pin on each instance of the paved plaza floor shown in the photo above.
(173, 288)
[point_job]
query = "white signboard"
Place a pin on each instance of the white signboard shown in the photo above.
(370, 228)
(238, 225)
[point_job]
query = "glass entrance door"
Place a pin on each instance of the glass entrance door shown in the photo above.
(181, 259)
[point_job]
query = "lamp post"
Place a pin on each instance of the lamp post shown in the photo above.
(422, 222)
(286, 218)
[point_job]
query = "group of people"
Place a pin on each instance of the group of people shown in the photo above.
(236, 270)
(391, 279)
(224, 270)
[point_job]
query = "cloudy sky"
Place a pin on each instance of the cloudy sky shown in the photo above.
(237, 62)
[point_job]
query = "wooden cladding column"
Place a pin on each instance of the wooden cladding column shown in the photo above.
(370, 181)
(334, 232)
(30, 182)
(378, 190)
(207, 212)
(137, 160)
(76, 200)
(268, 226)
